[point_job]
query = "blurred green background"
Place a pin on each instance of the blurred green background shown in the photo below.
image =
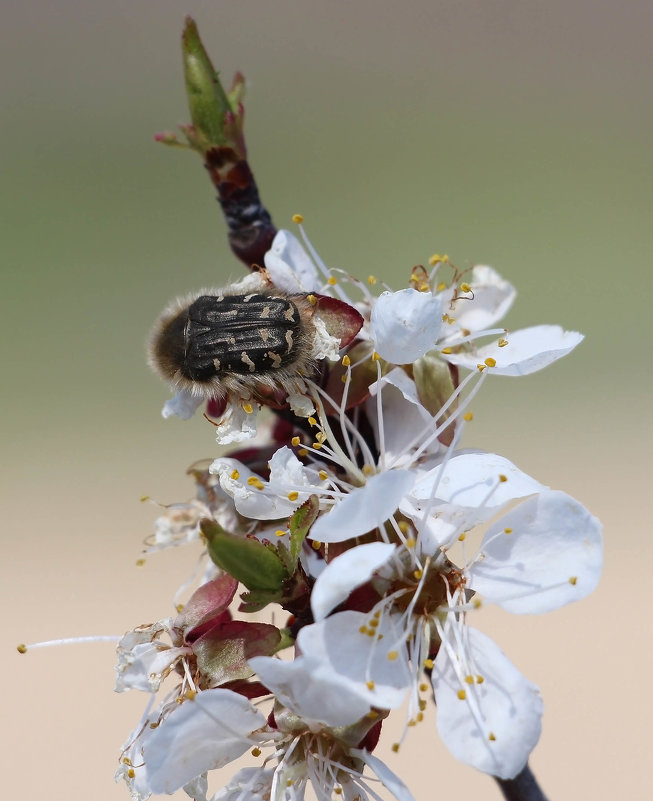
(516, 134)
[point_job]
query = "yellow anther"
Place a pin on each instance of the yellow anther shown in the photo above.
(323, 475)
(469, 679)
(451, 320)
(468, 416)
(418, 574)
(461, 694)
(344, 378)
(297, 218)
(491, 362)
(507, 531)
(423, 687)
(372, 714)
(375, 356)
(235, 475)
(295, 441)
(477, 603)
(22, 648)
(412, 722)
(465, 332)
(337, 790)
(311, 299)
(346, 360)
(420, 717)
(573, 580)
(140, 562)
(279, 532)
(410, 542)
(428, 664)
(445, 258)
(312, 421)
(434, 259)
(371, 280)
(317, 445)
(316, 544)
(479, 679)
(446, 351)
(480, 367)
(332, 281)
(293, 495)
(422, 704)
(255, 752)
(363, 630)
(503, 478)
(131, 773)
(302, 452)
(370, 684)
(290, 782)
(190, 695)
(441, 287)
(462, 537)
(392, 655)
(395, 748)
(377, 614)
(502, 343)
(144, 498)
(374, 622)
(179, 607)
(423, 287)
(491, 737)
(403, 526)
(247, 408)
(465, 288)
(255, 481)
(320, 436)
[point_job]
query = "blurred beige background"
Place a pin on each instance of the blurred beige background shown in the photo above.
(511, 133)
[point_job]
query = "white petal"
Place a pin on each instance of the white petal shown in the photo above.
(236, 425)
(348, 571)
(289, 266)
(184, 405)
(475, 480)
(405, 325)
(527, 351)
(325, 346)
(145, 666)
(493, 296)
(365, 508)
(405, 420)
(301, 405)
(328, 683)
(253, 784)
(388, 778)
(498, 722)
(551, 556)
(205, 733)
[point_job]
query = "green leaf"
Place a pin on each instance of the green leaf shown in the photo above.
(246, 559)
(300, 523)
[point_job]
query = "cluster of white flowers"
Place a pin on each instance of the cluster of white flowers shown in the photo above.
(349, 513)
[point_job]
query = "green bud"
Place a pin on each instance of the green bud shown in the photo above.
(208, 102)
(247, 560)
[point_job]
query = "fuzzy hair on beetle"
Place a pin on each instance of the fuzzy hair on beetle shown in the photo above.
(219, 342)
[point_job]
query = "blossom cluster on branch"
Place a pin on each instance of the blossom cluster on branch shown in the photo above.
(350, 512)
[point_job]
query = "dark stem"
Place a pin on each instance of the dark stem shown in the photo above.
(250, 227)
(523, 787)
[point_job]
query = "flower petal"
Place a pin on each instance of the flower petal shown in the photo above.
(289, 266)
(343, 574)
(405, 325)
(342, 672)
(542, 555)
(201, 734)
(493, 296)
(184, 405)
(364, 508)
(492, 725)
(527, 351)
(475, 480)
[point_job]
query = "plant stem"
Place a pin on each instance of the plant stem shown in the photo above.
(523, 787)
